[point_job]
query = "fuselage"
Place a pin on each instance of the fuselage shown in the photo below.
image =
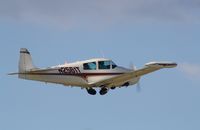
(81, 73)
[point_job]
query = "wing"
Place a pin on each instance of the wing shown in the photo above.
(149, 67)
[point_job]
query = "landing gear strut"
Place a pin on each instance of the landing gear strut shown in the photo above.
(91, 91)
(103, 91)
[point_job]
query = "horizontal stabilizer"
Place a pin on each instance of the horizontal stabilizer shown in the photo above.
(13, 73)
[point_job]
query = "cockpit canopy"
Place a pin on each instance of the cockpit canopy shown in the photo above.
(99, 64)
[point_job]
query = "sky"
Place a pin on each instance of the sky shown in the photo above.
(126, 31)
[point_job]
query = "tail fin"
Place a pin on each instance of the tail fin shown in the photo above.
(25, 61)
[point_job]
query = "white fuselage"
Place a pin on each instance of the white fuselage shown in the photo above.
(74, 74)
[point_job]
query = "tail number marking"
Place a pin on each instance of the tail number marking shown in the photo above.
(69, 70)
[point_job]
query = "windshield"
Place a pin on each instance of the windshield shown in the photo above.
(113, 65)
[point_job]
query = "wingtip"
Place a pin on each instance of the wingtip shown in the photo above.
(162, 64)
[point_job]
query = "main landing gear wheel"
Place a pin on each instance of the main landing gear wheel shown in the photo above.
(112, 88)
(126, 84)
(91, 91)
(103, 91)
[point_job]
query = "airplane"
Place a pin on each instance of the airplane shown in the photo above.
(88, 74)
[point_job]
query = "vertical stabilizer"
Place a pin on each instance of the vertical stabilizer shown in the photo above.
(25, 61)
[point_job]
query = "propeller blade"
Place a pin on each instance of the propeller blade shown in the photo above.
(132, 66)
(138, 87)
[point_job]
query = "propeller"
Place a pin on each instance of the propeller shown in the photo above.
(138, 87)
(132, 67)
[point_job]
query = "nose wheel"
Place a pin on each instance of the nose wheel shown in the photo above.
(91, 91)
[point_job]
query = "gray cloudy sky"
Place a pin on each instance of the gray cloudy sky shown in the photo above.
(97, 12)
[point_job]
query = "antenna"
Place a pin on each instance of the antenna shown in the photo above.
(102, 54)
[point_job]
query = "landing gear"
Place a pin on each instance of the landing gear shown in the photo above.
(126, 84)
(103, 91)
(91, 91)
(112, 88)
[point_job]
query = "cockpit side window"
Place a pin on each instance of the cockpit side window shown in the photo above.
(104, 64)
(90, 66)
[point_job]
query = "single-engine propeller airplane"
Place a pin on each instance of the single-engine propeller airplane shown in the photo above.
(89, 74)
